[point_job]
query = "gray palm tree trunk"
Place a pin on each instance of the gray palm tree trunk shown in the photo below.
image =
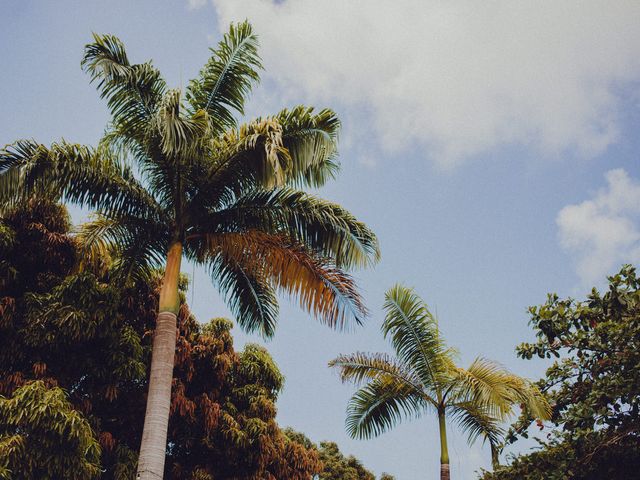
(156, 421)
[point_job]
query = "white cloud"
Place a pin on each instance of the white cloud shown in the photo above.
(195, 4)
(454, 79)
(603, 232)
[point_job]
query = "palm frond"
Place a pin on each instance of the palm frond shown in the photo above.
(251, 155)
(180, 135)
(137, 245)
(228, 77)
(294, 148)
(476, 421)
(311, 140)
(133, 92)
(415, 337)
(250, 297)
(362, 367)
(322, 289)
(380, 405)
(491, 386)
(325, 227)
(73, 173)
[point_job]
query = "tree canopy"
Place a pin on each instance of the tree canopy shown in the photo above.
(79, 342)
(179, 169)
(335, 465)
(593, 385)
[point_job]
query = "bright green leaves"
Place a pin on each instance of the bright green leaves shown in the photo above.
(258, 368)
(490, 386)
(227, 78)
(42, 437)
(414, 334)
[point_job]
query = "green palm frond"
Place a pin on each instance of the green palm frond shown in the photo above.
(137, 246)
(311, 140)
(488, 384)
(324, 226)
(484, 383)
(380, 405)
(534, 402)
(180, 135)
(133, 92)
(250, 297)
(414, 335)
(228, 77)
(296, 147)
(321, 288)
(476, 422)
(362, 367)
(73, 173)
(252, 155)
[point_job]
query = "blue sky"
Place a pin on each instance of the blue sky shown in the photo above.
(493, 148)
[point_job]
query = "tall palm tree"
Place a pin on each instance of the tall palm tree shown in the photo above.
(175, 176)
(424, 378)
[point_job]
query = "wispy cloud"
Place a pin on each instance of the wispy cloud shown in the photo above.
(195, 4)
(455, 79)
(603, 232)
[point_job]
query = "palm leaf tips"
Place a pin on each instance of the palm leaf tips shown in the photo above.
(227, 78)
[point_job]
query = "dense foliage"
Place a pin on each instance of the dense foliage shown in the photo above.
(43, 437)
(77, 344)
(593, 385)
(335, 466)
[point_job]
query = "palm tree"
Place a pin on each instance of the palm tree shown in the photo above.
(175, 176)
(424, 378)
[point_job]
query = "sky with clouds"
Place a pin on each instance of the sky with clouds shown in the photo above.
(493, 147)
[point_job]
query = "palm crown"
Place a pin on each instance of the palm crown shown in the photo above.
(178, 176)
(173, 169)
(423, 377)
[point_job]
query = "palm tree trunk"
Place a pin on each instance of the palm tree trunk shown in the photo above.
(495, 457)
(444, 451)
(156, 420)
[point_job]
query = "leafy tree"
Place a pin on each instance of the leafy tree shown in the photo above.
(335, 466)
(177, 176)
(86, 333)
(39, 425)
(593, 385)
(424, 378)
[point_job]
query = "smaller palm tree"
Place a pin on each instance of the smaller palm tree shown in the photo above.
(424, 378)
